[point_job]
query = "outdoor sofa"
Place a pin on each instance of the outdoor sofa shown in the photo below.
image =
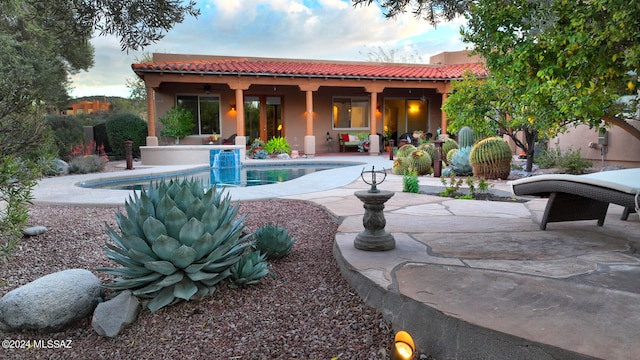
(582, 197)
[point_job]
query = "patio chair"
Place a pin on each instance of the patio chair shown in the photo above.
(231, 140)
(583, 197)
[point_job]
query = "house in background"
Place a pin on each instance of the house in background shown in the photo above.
(88, 107)
(304, 100)
(309, 100)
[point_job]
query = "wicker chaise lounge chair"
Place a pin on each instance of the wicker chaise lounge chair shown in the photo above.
(583, 197)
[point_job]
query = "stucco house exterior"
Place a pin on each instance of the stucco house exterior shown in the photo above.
(308, 101)
(304, 100)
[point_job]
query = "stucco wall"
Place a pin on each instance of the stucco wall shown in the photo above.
(622, 149)
(294, 110)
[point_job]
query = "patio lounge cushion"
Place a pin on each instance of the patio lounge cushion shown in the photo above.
(582, 197)
(348, 140)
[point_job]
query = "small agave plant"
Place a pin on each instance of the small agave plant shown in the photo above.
(177, 243)
(249, 270)
(273, 241)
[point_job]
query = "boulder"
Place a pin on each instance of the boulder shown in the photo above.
(50, 303)
(113, 315)
(61, 167)
(34, 230)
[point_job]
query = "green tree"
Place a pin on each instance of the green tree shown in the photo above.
(433, 11)
(178, 122)
(483, 105)
(42, 43)
(137, 90)
(559, 59)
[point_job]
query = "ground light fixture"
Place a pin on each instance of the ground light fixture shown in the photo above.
(403, 347)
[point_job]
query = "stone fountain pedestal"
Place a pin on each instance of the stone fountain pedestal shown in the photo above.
(374, 237)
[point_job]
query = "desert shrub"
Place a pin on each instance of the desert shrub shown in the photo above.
(569, 161)
(24, 140)
(548, 158)
(17, 178)
(87, 159)
(66, 131)
(121, 127)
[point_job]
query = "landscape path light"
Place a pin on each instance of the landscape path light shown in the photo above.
(403, 346)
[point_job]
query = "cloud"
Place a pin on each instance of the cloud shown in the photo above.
(302, 29)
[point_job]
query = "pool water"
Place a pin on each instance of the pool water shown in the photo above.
(252, 175)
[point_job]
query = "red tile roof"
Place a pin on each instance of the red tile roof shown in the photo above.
(304, 68)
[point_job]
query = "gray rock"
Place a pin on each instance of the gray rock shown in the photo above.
(34, 230)
(50, 303)
(61, 167)
(110, 317)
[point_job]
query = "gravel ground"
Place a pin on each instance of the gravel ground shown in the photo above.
(307, 311)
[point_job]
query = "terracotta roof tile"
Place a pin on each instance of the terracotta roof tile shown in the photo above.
(302, 68)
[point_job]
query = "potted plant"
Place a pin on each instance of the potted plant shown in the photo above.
(255, 147)
(277, 145)
(178, 122)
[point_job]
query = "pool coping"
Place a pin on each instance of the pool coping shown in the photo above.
(66, 190)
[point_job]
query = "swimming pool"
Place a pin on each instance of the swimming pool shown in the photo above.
(247, 175)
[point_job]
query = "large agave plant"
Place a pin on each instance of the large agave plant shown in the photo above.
(176, 243)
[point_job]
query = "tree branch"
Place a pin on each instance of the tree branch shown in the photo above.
(623, 124)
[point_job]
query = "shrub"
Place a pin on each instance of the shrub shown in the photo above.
(548, 158)
(84, 159)
(25, 143)
(410, 182)
(67, 132)
(570, 162)
(178, 122)
(17, 178)
(277, 145)
(451, 188)
(121, 127)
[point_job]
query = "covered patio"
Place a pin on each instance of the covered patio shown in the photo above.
(306, 101)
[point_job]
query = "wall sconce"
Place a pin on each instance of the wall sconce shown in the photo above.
(207, 89)
(232, 107)
(279, 127)
(403, 347)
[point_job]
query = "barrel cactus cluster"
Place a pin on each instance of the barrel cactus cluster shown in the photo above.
(411, 159)
(491, 158)
(177, 242)
(458, 159)
(448, 145)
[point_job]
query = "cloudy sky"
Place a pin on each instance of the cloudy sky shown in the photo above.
(300, 29)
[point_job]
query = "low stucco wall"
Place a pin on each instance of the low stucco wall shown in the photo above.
(181, 154)
(622, 149)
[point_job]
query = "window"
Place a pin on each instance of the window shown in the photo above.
(350, 113)
(206, 110)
